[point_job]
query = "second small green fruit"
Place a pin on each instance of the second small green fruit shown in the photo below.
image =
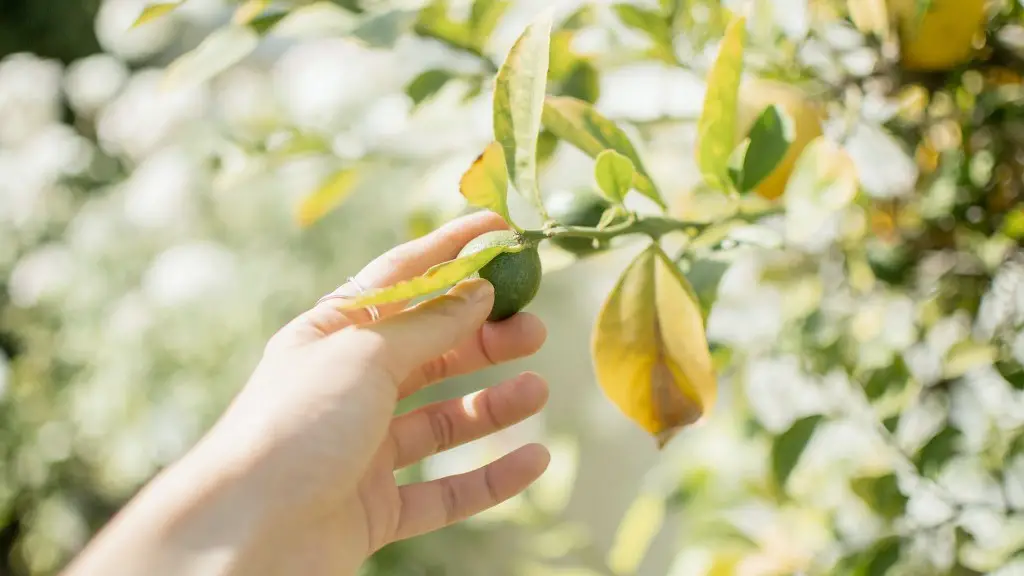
(515, 276)
(577, 209)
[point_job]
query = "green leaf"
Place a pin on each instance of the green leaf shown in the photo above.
(769, 140)
(485, 184)
(583, 16)
(583, 82)
(611, 215)
(382, 30)
(436, 278)
(892, 378)
(966, 356)
(328, 196)
(652, 24)
(875, 561)
(614, 175)
(484, 17)
(716, 130)
(789, 446)
(1012, 372)
(934, 455)
(433, 22)
(579, 124)
(154, 11)
(547, 143)
(266, 21)
(427, 84)
(519, 102)
(882, 494)
(220, 50)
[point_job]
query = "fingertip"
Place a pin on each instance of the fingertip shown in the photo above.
(532, 388)
(533, 459)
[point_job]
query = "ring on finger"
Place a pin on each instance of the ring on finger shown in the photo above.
(374, 312)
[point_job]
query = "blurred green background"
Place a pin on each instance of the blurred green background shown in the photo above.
(868, 349)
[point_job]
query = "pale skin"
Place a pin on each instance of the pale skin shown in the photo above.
(297, 477)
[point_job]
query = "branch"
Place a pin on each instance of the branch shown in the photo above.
(653, 226)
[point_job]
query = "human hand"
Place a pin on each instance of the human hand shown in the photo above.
(298, 475)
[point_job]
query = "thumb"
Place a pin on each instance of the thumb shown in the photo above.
(401, 343)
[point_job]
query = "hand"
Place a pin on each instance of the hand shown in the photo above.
(298, 475)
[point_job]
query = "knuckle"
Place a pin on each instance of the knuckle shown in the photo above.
(450, 500)
(442, 426)
(437, 369)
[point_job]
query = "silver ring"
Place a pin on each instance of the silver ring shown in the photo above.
(374, 312)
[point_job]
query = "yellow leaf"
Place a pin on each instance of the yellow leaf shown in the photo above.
(650, 352)
(154, 11)
(327, 197)
(869, 16)
(485, 184)
(438, 277)
(639, 526)
(716, 130)
(249, 10)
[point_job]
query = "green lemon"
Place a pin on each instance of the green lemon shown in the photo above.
(577, 209)
(515, 275)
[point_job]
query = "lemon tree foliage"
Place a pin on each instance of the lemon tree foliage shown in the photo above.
(518, 103)
(820, 326)
(485, 184)
(716, 131)
(650, 352)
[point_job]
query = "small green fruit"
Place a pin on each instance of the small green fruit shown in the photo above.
(577, 209)
(515, 276)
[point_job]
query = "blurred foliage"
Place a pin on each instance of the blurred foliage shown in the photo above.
(844, 217)
(49, 28)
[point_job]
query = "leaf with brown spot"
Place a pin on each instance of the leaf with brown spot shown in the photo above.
(650, 352)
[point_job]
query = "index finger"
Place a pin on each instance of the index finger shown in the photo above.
(402, 262)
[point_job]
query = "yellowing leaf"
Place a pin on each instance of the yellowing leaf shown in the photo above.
(218, 52)
(154, 11)
(331, 193)
(716, 130)
(869, 16)
(519, 102)
(642, 522)
(650, 352)
(438, 277)
(485, 184)
(579, 124)
(249, 10)
(614, 175)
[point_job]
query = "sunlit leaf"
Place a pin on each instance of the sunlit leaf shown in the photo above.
(427, 84)
(636, 531)
(789, 446)
(650, 352)
(331, 193)
(518, 105)
(869, 16)
(614, 175)
(220, 50)
(769, 141)
(485, 184)
(153, 11)
(716, 130)
(966, 356)
(579, 124)
(484, 17)
(436, 278)
(249, 10)
(433, 22)
(653, 25)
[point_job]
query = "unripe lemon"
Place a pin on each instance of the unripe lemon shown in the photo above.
(943, 37)
(515, 276)
(755, 96)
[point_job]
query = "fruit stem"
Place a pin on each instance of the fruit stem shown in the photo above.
(653, 226)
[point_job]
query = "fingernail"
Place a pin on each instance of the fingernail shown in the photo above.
(475, 290)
